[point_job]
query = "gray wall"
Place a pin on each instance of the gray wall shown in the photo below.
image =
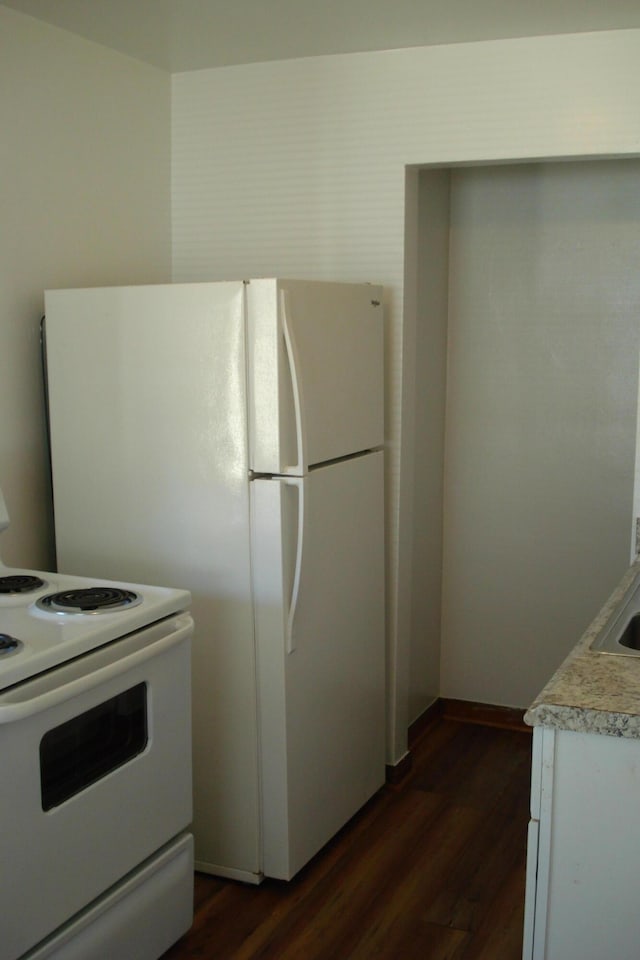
(544, 304)
(430, 359)
(84, 200)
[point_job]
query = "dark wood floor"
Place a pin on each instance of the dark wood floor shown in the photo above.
(431, 869)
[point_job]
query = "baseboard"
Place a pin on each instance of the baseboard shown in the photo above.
(424, 721)
(486, 714)
(464, 711)
(395, 773)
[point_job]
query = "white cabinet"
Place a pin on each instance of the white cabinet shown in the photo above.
(583, 859)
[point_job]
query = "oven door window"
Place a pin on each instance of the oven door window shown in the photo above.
(88, 747)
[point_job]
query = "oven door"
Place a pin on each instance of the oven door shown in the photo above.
(96, 776)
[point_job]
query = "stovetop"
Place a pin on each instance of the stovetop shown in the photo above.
(38, 630)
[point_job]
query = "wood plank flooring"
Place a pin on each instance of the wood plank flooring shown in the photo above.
(431, 869)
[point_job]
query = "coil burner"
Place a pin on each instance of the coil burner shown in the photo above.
(89, 600)
(19, 583)
(8, 644)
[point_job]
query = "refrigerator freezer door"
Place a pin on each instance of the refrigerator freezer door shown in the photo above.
(319, 611)
(149, 455)
(315, 372)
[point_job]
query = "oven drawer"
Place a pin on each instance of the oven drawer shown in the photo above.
(100, 757)
(138, 920)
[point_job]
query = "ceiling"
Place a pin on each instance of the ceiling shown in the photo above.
(179, 35)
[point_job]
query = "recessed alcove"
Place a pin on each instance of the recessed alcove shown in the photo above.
(523, 283)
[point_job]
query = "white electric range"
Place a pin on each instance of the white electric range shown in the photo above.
(95, 740)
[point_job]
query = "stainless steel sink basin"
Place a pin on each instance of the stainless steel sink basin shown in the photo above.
(621, 635)
(630, 637)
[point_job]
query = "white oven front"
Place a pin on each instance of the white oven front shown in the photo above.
(96, 779)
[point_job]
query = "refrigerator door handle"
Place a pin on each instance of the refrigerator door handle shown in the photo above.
(298, 405)
(295, 590)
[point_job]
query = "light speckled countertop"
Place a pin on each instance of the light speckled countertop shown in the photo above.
(594, 692)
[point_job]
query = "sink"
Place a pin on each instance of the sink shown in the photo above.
(630, 637)
(622, 634)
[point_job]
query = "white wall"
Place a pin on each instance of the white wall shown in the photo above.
(298, 167)
(84, 199)
(541, 416)
(430, 286)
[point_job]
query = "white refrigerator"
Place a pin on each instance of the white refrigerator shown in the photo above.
(227, 438)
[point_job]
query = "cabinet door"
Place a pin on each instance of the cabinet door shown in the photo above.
(595, 849)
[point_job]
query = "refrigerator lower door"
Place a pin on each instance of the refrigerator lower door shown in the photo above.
(318, 575)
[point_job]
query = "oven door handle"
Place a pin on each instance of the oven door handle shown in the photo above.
(14, 708)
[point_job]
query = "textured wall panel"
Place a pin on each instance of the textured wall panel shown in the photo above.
(298, 167)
